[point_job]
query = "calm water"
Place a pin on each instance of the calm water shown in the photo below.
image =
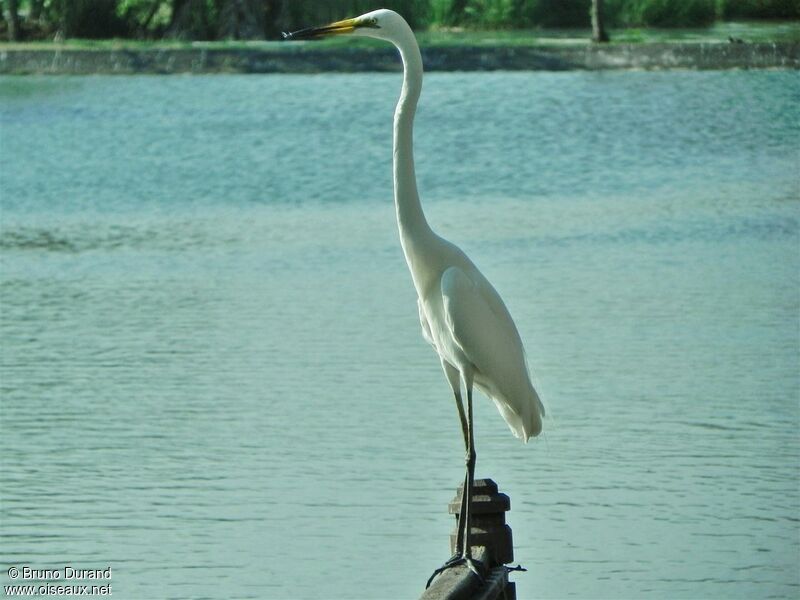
(213, 379)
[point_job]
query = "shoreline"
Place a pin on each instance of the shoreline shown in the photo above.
(279, 58)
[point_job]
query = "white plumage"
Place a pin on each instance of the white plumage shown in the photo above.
(461, 314)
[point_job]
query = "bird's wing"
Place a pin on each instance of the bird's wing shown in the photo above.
(482, 327)
(479, 322)
(423, 321)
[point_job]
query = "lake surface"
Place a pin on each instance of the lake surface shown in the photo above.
(213, 379)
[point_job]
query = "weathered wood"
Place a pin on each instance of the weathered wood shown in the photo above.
(492, 546)
(459, 583)
(488, 521)
(497, 586)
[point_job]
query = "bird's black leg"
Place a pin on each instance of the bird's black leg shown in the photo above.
(457, 558)
(462, 513)
(463, 554)
(466, 552)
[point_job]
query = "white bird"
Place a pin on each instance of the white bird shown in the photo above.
(462, 316)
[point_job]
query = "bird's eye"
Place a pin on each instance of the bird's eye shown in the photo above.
(373, 22)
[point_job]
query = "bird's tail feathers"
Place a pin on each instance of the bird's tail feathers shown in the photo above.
(525, 420)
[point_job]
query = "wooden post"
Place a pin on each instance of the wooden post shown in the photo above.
(492, 545)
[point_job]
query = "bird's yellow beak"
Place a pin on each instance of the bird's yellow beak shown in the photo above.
(311, 33)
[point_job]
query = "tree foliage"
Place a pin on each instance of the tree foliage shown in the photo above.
(664, 13)
(257, 19)
(759, 9)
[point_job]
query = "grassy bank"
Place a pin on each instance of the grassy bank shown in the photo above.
(722, 46)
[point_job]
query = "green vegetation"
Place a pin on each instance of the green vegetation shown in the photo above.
(721, 31)
(264, 19)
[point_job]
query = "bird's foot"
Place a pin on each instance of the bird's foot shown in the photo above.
(476, 566)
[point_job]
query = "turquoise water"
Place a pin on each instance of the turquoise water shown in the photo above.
(213, 379)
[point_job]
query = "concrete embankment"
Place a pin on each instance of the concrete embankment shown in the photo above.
(308, 58)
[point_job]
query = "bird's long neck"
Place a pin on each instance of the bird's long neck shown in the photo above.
(410, 218)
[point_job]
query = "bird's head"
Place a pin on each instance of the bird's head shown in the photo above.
(382, 24)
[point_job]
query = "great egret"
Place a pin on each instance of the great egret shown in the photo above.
(462, 315)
